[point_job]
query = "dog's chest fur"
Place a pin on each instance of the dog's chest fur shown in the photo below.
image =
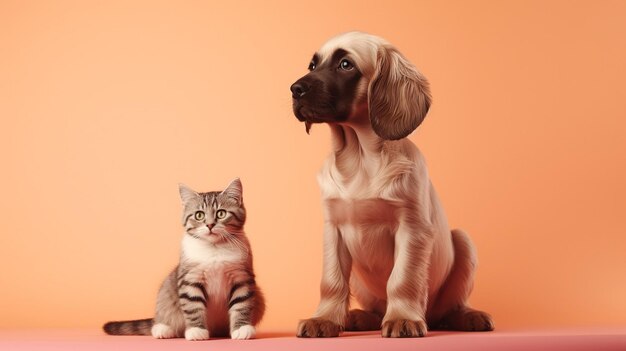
(367, 227)
(365, 208)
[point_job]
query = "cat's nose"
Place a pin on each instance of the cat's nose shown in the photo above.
(210, 225)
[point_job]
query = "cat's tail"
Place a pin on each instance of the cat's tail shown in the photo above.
(136, 327)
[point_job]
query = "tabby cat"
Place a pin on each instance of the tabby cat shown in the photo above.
(212, 291)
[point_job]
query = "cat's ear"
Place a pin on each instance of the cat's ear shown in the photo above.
(234, 190)
(186, 193)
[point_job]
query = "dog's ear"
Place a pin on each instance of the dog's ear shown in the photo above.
(398, 95)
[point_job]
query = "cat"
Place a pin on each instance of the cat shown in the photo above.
(212, 291)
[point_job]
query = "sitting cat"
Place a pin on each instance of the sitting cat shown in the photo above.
(212, 291)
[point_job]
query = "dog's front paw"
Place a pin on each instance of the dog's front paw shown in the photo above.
(404, 328)
(318, 328)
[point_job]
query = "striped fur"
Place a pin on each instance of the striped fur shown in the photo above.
(213, 291)
(136, 327)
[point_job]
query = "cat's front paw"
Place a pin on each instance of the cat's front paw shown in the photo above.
(196, 333)
(243, 333)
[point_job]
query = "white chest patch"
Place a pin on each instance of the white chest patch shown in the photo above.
(205, 254)
(211, 263)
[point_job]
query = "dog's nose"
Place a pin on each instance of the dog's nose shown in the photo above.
(298, 89)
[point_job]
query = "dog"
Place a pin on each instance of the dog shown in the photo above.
(386, 236)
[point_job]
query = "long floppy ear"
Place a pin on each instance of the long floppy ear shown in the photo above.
(398, 95)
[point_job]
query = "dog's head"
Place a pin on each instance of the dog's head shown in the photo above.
(355, 75)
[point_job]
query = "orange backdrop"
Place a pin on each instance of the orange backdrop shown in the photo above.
(106, 106)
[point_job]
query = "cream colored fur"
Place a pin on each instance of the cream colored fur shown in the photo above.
(386, 237)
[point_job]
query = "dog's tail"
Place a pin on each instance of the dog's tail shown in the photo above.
(135, 327)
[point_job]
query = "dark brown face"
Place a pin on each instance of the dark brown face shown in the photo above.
(328, 91)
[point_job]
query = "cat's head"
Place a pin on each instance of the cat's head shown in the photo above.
(214, 216)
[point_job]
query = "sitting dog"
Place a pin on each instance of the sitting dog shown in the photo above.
(386, 237)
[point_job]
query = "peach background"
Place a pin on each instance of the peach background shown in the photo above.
(106, 106)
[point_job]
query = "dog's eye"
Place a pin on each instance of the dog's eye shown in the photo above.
(312, 66)
(346, 65)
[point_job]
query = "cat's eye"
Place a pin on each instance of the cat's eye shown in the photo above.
(199, 215)
(346, 65)
(220, 214)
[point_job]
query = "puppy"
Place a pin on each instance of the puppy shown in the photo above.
(386, 237)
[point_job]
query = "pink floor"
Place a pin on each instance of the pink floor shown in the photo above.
(571, 339)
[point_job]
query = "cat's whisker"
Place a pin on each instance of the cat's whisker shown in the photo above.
(214, 242)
